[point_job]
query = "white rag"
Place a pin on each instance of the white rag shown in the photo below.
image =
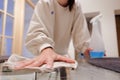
(14, 59)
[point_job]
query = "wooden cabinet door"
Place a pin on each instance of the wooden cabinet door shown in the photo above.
(117, 17)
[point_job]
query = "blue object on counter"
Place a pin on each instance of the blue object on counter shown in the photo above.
(97, 54)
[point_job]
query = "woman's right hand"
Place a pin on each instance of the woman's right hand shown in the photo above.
(47, 56)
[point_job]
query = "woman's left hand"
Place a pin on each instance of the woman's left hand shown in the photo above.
(87, 53)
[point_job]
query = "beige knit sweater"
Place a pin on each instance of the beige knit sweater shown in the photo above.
(54, 26)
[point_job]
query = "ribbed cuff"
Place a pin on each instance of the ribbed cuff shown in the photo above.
(44, 46)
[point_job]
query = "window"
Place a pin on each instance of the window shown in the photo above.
(6, 26)
(11, 23)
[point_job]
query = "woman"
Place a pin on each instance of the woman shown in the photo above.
(53, 24)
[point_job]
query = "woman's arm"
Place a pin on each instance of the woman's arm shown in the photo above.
(80, 33)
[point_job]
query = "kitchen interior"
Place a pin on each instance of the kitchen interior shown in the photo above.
(15, 16)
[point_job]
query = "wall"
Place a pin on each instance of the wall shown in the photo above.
(106, 7)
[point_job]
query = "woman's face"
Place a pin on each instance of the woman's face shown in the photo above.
(62, 2)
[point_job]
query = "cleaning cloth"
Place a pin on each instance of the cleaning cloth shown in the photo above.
(13, 60)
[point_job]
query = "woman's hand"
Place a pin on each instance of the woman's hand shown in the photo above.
(87, 53)
(47, 56)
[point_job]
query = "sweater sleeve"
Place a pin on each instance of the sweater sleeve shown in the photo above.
(38, 36)
(80, 33)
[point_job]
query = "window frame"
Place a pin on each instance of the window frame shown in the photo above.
(17, 34)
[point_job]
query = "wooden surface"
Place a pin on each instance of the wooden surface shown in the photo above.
(85, 71)
(117, 20)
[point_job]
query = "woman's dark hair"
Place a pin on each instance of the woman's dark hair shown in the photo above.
(70, 3)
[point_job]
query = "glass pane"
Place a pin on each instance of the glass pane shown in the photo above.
(1, 21)
(28, 15)
(1, 4)
(8, 46)
(9, 26)
(10, 6)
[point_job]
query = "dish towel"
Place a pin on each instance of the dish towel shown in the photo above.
(13, 60)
